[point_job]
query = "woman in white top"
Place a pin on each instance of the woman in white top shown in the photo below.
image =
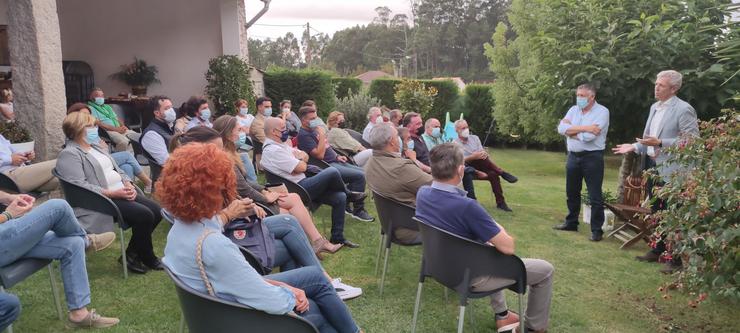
(6, 105)
(84, 163)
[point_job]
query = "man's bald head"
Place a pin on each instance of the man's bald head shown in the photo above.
(271, 125)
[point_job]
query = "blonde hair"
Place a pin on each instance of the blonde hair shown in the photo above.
(5, 95)
(333, 118)
(75, 123)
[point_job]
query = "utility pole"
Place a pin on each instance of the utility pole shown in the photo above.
(308, 44)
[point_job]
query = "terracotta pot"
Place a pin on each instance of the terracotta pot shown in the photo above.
(138, 90)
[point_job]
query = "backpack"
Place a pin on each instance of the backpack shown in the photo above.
(253, 235)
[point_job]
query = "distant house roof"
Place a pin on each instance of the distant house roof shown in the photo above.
(458, 81)
(368, 77)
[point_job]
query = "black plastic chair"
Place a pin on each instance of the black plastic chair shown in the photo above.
(317, 162)
(139, 152)
(21, 269)
(154, 168)
(80, 197)
(207, 314)
(358, 136)
(456, 262)
(392, 215)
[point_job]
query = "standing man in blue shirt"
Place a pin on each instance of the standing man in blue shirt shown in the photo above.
(585, 127)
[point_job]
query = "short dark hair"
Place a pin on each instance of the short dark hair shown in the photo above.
(262, 100)
(190, 107)
(305, 110)
(588, 86)
(445, 160)
(285, 101)
(154, 101)
(407, 118)
(200, 134)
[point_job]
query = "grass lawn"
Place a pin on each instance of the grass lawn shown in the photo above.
(597, 288)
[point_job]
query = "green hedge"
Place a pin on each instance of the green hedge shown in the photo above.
(299, 86)
(447, 94)
(477, 106)
(346, 86)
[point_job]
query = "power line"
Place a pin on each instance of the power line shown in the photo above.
(280, 25)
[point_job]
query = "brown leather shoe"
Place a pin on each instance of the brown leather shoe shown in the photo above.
(650, 256)
(508, 324)
(99, 242)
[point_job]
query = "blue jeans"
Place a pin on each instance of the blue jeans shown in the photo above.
(249, 167)
(467, 181)
(326, 311)
(292, 249)
(50, 231)
(127, 163)
(10, 308)
(327, 187)
(588, 166)
(354, 177)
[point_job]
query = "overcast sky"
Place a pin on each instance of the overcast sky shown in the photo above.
(326, 16)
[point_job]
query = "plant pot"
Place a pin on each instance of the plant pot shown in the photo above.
(609, 218)
(138, 90)
(23, 147)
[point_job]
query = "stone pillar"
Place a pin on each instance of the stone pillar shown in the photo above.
(243, 38)
(38, 83)
(233, 29)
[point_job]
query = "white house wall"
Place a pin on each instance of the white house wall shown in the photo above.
(177, 36)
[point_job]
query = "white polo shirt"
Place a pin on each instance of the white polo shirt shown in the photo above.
(278, 158)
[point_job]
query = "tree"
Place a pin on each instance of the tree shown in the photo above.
(620, 45)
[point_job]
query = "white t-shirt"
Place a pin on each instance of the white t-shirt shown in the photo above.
(245, 121)
(278, 158)
(113, 179)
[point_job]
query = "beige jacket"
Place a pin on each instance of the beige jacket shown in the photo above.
(339, 138)
(395, 177)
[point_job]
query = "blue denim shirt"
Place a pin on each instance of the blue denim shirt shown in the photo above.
(230, 275)
(584, 141)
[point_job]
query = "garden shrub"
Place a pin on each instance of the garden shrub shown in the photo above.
(384, 90)
(702, 209)
(299, 86)
(414, 96)
(447, 94)
(355, 108)
(228, 81)
(346, 86)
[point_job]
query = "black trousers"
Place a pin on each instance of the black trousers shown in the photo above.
(143, 216)
(588, 166)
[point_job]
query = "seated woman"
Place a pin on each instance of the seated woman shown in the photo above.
(287, 203)
(51, 231)
(245, 120)
(84, 163)
(125, 160)
(208, 261)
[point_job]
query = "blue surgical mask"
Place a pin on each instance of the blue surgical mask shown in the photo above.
(170, 116)
(243, 112)
(91, 135)
(410, 144)
(205, 114)
(242, 139)
(284, 135)
(582, 102)
(99, 100)
(267, 112)
(316, 122)
(436, 132)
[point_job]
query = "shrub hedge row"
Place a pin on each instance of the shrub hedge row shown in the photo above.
(299, 86)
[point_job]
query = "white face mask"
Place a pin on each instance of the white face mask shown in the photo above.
(286, 110)
(465, 133)
(379, 120)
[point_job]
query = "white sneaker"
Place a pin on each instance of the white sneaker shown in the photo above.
(345, 291)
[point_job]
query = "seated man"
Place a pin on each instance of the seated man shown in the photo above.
(477, 157)
(156, 137)
(312, 140)
(393, 176)
(326, 186)
(395, 116)
(445, 206)
(374, 116)
(35, 177)
(340, 139)
(432, 133)
(108, 121)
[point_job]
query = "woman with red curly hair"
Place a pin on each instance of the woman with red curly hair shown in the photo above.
(197, 182)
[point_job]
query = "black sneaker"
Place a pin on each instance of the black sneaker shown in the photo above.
(504, 207)
(362, 215)
(154, 264)
(347, 243)
(596, 237)
(356, 196)
(134, 264)
(509, 177)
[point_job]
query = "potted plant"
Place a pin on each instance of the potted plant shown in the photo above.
(137, 75)
(609, 218)
(19, 137)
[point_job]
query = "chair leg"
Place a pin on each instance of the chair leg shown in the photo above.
(123, 253)
(385, 268)
(55, 292)
(417, 305)
(182, 322)
(380, 250)
(471, 315)
(461, 322)
(521, 315)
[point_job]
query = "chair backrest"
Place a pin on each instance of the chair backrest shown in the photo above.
(393, 215)
(7, 184)
(292, 188)
(205, 313)
(80, 197)
(124, 118)
(358, 136)
(455, 261)
(19, 270)
(317, 162)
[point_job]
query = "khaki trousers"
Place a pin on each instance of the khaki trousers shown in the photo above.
(35, 177)
(120, 141)
(539, 279)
